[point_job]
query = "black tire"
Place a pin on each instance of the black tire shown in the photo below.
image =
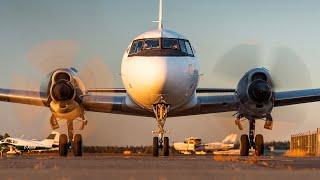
(155, 147)
(166, 146)
(77, 145)
(244, 145)
(259, 151)
(63, 145)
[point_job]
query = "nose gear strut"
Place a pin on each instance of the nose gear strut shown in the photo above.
(160, 109)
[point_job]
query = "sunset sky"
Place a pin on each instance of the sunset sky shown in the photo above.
(103, 29)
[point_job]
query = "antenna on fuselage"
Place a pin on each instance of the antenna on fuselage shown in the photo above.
(160, 22)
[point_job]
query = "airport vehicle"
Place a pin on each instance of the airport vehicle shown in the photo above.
(21, 144)
(189, 146)
(160, 74)
(194, 145)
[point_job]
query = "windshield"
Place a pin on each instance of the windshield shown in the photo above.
(170, 44)
(161, 47)
(151, 44)
(136, 47)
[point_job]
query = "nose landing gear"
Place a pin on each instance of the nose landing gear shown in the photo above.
(160, 110)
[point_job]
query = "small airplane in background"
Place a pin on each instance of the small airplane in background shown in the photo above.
(21, 144)
(193, 145)
(226, 144)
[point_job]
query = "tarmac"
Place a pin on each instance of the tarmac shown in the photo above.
(93, 166)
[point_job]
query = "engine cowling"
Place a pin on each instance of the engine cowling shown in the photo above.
(255, 94)
(64, 90)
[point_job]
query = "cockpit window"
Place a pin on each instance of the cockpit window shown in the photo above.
(183, 46)
(151, 44)
(136, 47)
(189, 48)
(170, 44)
(161, 47)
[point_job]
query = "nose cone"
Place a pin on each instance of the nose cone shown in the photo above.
(148, 78)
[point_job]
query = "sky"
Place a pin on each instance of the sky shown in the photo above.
(279, 35)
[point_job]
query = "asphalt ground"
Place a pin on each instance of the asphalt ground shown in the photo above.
(93, 166)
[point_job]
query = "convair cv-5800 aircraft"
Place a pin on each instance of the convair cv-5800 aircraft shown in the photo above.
(160, 74)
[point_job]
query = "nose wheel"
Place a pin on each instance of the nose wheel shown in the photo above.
(158, 146)
(160, 142)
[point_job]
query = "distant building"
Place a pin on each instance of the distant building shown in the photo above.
(308, 142)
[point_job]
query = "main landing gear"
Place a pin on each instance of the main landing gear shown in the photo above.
(160, 142)
(65, 142)
(253, 141)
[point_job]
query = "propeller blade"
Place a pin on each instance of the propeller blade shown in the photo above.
(289, 71)
(95, 74)
(237, 61)
(284, 66)
(52, 55)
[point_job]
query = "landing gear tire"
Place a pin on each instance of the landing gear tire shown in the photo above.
(259, 150)
(77, 145)
(244, 145)
(155, 147)
(166, 146)
(63, 145)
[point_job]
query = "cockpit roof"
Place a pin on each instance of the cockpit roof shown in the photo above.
(160, 33)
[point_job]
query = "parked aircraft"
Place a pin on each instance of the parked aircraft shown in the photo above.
(22, 144)
(225, 144)
(160, 74)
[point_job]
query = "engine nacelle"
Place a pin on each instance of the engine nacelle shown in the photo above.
(64, 88)
(255, 93)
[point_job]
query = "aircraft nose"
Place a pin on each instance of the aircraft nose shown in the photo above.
(148, 79)
(148, 76)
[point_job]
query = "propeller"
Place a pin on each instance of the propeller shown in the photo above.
(49, 56)
(284, 65)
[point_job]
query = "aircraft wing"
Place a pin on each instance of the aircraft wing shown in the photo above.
(107, 90)
(211, 104)
(95, 103)
(199, 90)
(116, 103)
(111, 104)
(106, 104)
(23, 97)
(296, 97)
(226, 103)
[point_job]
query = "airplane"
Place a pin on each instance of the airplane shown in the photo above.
(160, 74)
(194, 145)
(226, 144)
(22, 144)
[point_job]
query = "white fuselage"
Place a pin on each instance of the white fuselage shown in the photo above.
(146, 78)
